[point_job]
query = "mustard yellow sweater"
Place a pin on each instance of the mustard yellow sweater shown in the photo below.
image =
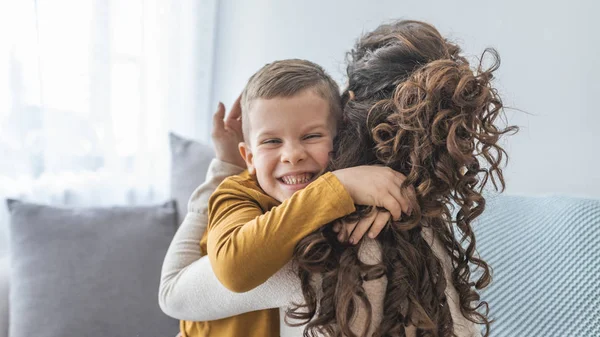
(250, 236)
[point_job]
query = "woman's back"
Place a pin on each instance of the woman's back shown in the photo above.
(414, 104)
(370, 253)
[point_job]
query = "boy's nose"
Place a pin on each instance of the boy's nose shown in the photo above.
(293, 154)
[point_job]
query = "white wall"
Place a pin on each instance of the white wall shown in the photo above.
(550, 67)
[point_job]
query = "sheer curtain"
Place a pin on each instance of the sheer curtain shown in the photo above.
(88, 92)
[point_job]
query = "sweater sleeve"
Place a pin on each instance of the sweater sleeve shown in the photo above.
(189, 289)
(247, 245)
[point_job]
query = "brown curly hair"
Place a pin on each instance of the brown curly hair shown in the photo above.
(413, 103)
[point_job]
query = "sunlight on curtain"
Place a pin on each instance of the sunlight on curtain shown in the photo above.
(88, 92)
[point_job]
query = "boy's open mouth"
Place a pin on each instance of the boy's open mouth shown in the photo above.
(296, 179)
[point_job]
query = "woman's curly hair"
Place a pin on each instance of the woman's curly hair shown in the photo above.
(413, 103)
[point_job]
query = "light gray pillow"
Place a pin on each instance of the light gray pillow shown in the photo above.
(189, 163)
(88, 271)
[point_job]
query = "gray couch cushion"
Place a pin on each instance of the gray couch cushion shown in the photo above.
(545, 253)
(4, 277)
(88, 271)
(189, 163)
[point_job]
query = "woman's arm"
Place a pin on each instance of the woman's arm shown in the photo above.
(189, 289)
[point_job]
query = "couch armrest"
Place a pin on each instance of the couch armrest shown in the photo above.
(4, 281)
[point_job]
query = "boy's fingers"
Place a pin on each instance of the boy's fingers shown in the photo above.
(342, 236)
(380, 221)
(404, 202)
(396, 192)
(363, 226)
(346, 229)
(400, 177)
(336, 226)
(393, 206)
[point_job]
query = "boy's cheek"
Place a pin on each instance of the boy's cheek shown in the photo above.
(261, 162)
(325, 154)
(330, 148)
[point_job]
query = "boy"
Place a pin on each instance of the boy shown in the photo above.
(290, 112)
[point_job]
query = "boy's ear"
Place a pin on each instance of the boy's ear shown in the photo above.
(246, 153)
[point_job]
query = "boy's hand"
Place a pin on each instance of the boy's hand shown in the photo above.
(355, 230)
(375, 186)
(227, 134)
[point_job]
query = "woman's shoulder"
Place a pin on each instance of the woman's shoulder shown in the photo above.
(370, 251)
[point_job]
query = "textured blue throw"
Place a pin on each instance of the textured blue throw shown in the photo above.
(545, 254)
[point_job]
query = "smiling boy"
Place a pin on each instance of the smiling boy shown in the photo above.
(289, 141)
(290, 110)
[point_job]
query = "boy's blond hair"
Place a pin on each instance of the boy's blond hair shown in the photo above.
(287, 78)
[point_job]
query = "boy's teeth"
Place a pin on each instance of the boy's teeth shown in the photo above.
(299, 179)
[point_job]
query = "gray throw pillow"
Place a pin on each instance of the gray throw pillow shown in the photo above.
(189, 163)
(88, 271)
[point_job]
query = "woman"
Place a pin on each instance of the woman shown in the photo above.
(414, 104)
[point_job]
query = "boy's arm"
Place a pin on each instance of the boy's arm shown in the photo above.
(247, 246)
(189, 289)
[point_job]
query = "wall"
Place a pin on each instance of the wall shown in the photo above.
(549, 74)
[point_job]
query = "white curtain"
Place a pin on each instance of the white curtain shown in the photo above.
(88, 92)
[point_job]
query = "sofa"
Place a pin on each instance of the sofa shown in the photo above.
(95, 271)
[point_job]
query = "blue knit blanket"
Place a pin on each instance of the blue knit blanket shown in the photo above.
(545, 254)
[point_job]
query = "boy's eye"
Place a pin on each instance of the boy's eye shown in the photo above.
(271, 141)
(314, 135)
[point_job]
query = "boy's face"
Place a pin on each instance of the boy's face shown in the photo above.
(291, 139)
